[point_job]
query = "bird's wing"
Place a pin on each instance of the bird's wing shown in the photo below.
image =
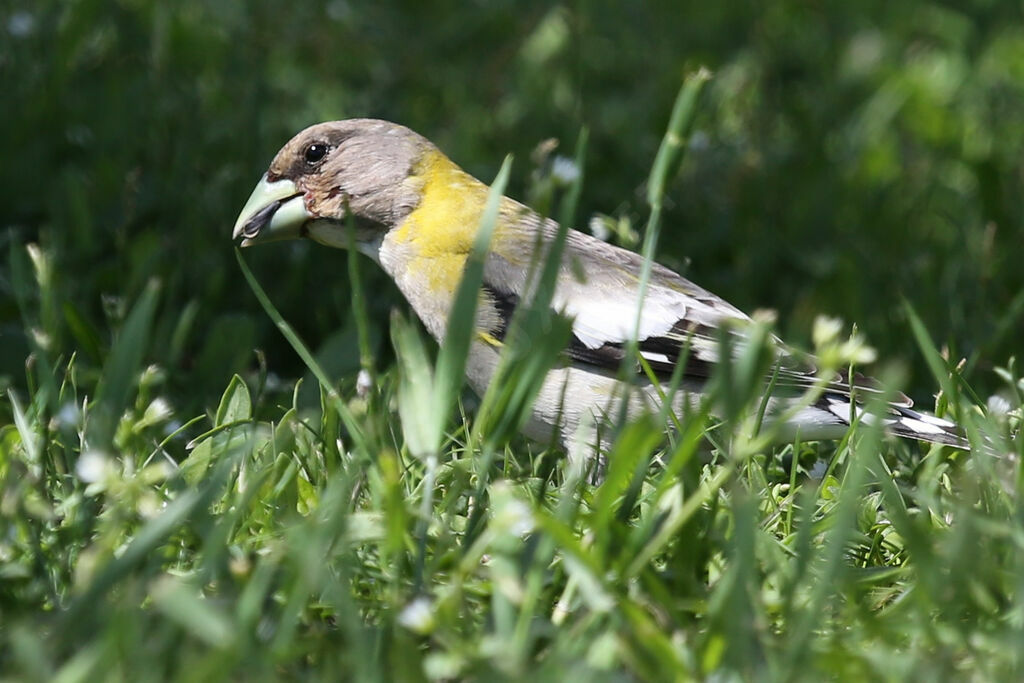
(598, 288)
(695, 341)
(679, 321)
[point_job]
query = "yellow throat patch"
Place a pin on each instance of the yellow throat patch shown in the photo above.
(440, 230)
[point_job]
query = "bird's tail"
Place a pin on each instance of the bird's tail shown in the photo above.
(898, 419)
(846, 399)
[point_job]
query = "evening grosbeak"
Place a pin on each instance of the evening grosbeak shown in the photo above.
(416, 214)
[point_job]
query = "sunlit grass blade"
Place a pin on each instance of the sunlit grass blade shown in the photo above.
(423, 420)
(461, 329)
(359, 299)
(830, 567)
(78, 615)
(670, 154)
(571, 200)
(673, 144)
(537, 335)
(935, 362)
(121, 368)
(354, 429)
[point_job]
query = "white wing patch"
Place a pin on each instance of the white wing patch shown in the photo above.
(937, 421)
(842, 408)
(597, 321)
(610, 318)
(920, 426)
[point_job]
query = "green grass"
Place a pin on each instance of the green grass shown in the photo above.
(385, 535)
(292, 547)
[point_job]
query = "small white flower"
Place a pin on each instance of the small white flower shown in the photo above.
(418, 616)
(826, 330)
(157, 411)
(564, 170)
(699, 141)
(515, 517)
(149, 506)
(68, 415)
(999, 406)
(599, 227)
(21, 24)
(92, 466)
(363, 383)
(339, 10)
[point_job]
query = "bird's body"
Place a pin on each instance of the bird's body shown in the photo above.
(417, 215)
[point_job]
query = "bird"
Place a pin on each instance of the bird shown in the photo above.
(416, 214)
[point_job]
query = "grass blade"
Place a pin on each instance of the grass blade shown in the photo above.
(355, 431)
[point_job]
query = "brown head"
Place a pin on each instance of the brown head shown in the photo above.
(357, 167)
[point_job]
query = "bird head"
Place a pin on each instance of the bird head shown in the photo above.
(330, 172)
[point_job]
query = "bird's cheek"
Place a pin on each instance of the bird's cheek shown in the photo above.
(332, 204)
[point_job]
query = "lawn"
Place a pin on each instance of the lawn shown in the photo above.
(221, 464)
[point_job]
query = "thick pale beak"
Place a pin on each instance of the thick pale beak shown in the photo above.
(275, 211)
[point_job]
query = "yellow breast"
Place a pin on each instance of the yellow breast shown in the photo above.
(439, 232)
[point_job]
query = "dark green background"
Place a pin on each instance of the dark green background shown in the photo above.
(846, 156)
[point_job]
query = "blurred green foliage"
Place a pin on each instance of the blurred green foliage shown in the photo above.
(847, 155)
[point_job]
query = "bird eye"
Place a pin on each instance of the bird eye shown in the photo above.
(316, 152)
